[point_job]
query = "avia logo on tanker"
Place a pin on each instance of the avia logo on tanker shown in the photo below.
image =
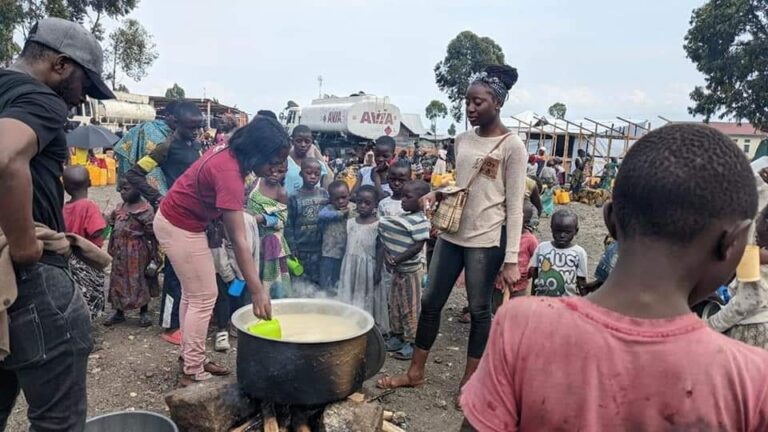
(333, 117)
(376, 118)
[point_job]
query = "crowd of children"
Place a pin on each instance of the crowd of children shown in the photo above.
(364, 246)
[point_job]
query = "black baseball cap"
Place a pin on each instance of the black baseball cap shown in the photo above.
(74, 41)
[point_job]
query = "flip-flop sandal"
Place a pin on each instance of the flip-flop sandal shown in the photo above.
(380, 383)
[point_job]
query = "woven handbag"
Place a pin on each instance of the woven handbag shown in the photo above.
(447, 216)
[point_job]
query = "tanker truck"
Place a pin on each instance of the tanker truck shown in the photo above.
(339, 122)
(119, 114)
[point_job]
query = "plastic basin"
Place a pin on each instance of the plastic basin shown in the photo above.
(130, 421)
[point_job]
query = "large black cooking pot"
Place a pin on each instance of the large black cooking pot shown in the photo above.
(307, 373)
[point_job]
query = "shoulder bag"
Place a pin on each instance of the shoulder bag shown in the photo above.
(447, 217)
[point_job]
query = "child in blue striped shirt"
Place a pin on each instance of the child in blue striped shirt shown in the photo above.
(401, 242)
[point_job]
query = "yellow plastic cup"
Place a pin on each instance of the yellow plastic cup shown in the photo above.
(269, 329)
(749, 266)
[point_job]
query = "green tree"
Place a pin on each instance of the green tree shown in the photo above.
(56, 8)
(131, 50)
(86, 12)
(452, 130)
(558, 110)
(435, 110)
(466, 54)
(175, 92)
(20, 15)
(11, 15)
(34, 10)
(728, 42)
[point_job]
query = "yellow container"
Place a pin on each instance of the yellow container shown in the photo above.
(749, 266)
(446, 180)
(95, 174)
(103, 176)
(437, 180)
(80, 157)
(111, 171)
(562, 197)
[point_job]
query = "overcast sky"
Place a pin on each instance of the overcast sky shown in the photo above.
(601, 58)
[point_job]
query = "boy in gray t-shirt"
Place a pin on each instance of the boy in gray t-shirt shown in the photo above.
(559, 268)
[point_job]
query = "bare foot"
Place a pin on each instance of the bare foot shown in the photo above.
(397, 381)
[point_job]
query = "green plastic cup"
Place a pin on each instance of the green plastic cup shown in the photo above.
(269, 329)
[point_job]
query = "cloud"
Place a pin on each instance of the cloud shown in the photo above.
(637, 97)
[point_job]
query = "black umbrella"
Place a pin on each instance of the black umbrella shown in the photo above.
(91, 137)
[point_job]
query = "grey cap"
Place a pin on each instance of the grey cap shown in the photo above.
(74, 41)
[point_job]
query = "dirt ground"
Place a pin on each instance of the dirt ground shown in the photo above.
(134, 368)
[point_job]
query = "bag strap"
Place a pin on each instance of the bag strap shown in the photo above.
(477, 173)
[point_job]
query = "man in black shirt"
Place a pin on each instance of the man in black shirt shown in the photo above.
(180, 150)
(49, 327)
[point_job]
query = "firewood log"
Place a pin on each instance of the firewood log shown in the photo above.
(389, 427)
(270, 420)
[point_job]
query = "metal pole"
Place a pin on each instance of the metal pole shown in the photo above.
(633, 123)
(527, 137)
(566, 154)
(209, 115)
(610, 142)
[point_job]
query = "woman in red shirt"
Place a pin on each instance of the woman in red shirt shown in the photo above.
(214, 187)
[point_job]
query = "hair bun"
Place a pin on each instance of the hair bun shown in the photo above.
(505, 73)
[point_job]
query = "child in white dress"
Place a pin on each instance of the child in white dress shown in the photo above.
(359, 284)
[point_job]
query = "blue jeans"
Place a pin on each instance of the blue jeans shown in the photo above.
(50, 331)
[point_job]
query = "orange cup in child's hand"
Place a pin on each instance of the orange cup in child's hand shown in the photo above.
(749, 266)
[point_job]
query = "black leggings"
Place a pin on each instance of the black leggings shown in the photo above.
(480, 265)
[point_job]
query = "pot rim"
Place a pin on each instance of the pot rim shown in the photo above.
(248, 310)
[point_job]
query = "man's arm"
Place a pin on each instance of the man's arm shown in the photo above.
(18, 145)
(137, 175)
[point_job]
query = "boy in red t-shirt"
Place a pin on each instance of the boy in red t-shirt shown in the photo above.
(632, 356)
(83, 217)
